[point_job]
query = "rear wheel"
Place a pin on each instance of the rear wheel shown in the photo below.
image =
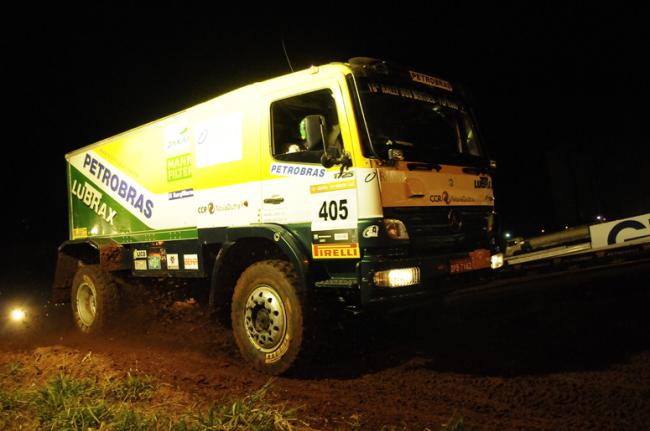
(94, 299)
(268, 316)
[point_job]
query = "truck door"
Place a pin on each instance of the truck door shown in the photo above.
(317, 204)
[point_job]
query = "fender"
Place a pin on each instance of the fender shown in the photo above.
(110, 255)
(286, 242)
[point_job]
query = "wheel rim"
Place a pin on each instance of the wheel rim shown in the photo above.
(86, 302)
(265, 319)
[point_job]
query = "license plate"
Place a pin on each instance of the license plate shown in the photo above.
(460, 265)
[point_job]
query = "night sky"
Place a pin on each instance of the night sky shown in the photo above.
(560, 92)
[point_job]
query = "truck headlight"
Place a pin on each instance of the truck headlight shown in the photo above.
(395, 229)
(400, 277)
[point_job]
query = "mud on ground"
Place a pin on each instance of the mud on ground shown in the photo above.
(574, 359)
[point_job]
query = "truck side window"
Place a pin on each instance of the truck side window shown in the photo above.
(291, 140)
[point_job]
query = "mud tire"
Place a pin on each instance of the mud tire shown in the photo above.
(94, 299)
(268, 314)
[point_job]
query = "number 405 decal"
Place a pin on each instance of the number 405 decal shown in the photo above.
(334, 210)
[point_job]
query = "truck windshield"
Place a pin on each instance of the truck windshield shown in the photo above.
(427, 124)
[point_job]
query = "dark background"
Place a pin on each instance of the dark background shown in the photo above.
(560, 91)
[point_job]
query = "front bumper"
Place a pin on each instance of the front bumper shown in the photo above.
(437, 275)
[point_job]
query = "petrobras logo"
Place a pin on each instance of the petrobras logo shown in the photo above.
(92, 198)
(287, 170)
(129, 194)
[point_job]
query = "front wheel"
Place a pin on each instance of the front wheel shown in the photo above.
(94, 299)
(268, 316)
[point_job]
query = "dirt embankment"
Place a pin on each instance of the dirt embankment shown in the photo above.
(578, 359)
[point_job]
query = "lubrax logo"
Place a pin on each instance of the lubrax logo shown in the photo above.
(92, 198)
(483, 183)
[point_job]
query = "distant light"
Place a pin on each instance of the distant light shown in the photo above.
(566, 227)
(599, 218)
(507, 234)
(17, 315)
(543, 231)
(496, 261)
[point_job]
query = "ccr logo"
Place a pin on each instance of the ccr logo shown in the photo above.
(444, 197)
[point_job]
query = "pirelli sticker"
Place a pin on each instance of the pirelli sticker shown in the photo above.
(335, 251)
(334, 220)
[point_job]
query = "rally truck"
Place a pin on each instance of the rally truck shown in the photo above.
(360, 185)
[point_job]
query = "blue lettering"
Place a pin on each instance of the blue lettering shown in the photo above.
(101, 168)
(122, 190)
(303, 170)
(87, 160)
(139, 202)
(115, 182)
(274, 168)
(322, 173)
(148, 208)
(106, 179)
(131, 195)
(93, 166)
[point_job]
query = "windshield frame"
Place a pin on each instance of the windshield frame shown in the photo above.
(401, 78)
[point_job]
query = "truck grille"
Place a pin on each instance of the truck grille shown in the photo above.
(430, 230)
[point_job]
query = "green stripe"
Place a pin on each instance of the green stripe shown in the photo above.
(155, 235)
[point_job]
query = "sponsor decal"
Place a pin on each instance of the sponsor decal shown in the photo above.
(346, 174)
(124, 190)
(79, 232)
(92, 198)
(139, 254)
(213, 208)
(177, 137)
(335, 251)
(444, 197)
(370, 177)
(190, 261)
(343, 236)
(334, 236)
(448, 199)
(331, 187)
(179, 167)
(483, 183)
(180, 194)
(620, 231)
(140, 265)
(153, 261)
(288, 170)
(172, 261)
(431, 81)
(371, 231)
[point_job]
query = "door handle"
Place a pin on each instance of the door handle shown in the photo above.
(275, 200)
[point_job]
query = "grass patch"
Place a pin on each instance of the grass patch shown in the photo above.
(250, 412)
(133, 388)
(69, 404)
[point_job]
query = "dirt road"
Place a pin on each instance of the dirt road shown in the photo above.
(573, 359)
